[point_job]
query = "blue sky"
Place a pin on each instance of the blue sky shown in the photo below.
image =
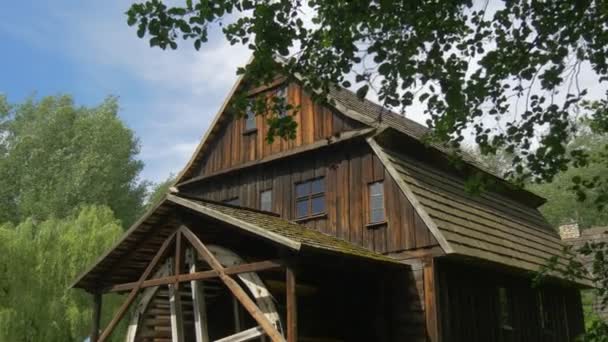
(86, 49)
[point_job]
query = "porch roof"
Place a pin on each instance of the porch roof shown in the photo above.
(158, 223)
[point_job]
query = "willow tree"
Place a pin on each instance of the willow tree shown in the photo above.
(38, 262)
(56, 156)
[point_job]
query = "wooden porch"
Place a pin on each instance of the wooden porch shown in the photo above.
(200, 278)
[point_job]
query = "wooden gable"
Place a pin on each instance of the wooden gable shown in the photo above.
(231, 144)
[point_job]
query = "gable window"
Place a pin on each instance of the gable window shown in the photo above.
(249, 119)
(310, 197)
(232, 201)
(282, 94)
(376, 202)
(266, 200)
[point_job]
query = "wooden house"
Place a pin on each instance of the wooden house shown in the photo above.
(356, 230)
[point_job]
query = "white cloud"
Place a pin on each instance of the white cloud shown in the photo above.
(170, 97)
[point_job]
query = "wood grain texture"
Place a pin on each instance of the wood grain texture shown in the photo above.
(233, 146)
(348, 169)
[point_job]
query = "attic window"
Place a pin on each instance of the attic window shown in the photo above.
(266, 200)
(310, 198)
(282, 94)
(376, 202)
(249, 119)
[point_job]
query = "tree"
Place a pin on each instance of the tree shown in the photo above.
(56, 157)
(563, 205)
(470, 64)
(38, 261)
(159, 190)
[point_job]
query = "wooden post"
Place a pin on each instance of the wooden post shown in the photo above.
(96, 316)
(233, 286)
(292, 307)
(430, 301)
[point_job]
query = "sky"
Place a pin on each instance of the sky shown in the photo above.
(86, 49)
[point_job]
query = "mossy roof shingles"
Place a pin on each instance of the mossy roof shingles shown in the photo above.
(295, 232)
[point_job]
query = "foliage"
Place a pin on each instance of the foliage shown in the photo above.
(159, 190)
(38, 261)
(467, 62)
(564, 205)
(56, 156)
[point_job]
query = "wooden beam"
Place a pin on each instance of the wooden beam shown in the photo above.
(133, 294)
(292, 308)
(97, 300)
(178, 258)
(244, 225)
(259, 266)
(177, 318)
(233, 286)
(346, 136)
(244, 335)
(199, 306)
(430, 301)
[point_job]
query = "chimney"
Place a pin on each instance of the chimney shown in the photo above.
(569, 231)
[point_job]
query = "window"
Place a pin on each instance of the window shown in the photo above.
(249, 119)
(310, 198)
(376, 202)
(282, 94)
(232, 201)
(544, 305)
(266, 200)
(504, 305)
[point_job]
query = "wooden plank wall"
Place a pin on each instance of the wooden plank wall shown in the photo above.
(348, 169)
(233, 146)
(469, 309)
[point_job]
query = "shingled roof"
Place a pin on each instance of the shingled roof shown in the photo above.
(158, 223)
(487, 226)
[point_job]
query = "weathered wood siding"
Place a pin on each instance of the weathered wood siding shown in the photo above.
(469, 307)
(233, 146)
(348, 169)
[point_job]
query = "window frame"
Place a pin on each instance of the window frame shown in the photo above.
(282, 92)
(309, 197)
(250, 118)
(370, 210)
(262, 192)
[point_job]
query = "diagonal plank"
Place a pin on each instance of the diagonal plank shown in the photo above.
(257, 266)
(233, 286)
(244, 335)
(133, 294)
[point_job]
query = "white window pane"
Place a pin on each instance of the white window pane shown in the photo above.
(282, 94)
(249, 119)
(376, 202)
(266, 200)
(318, 205)
(377, 215)
(376, 188)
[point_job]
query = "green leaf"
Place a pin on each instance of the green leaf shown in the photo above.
(362, 91)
